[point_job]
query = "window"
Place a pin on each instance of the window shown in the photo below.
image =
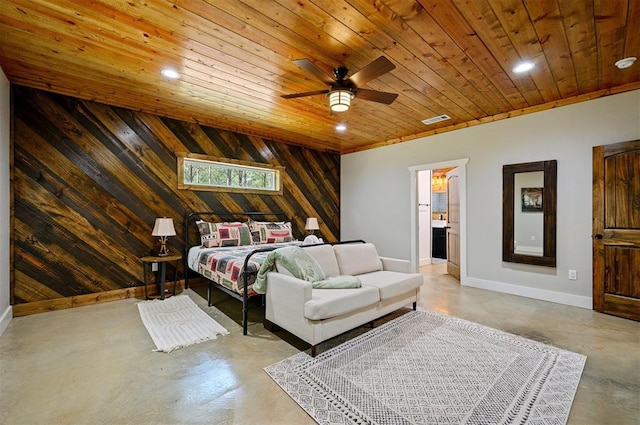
(201, 172)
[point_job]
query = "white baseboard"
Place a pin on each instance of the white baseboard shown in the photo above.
(5, 318)
(425, 261)
(526, 291)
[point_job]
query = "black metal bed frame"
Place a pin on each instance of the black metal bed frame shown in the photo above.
(191, 217)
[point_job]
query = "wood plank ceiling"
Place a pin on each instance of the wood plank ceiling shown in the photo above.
(452, 57)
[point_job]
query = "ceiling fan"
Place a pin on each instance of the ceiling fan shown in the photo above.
(342, 90)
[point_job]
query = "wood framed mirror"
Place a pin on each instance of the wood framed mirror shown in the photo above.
(529, 213)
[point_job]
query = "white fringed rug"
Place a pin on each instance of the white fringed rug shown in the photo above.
(177, 322)
(428, 368)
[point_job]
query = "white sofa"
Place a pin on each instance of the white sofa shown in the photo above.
(315, 315)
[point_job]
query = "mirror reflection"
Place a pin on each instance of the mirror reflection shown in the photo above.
(527, 213)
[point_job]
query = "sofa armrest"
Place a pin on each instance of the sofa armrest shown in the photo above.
(396, 265)
(286, 297)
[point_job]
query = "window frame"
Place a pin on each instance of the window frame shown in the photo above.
(277, 169)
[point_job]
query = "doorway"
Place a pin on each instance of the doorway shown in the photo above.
(418, 209)
(432, 215)
(439, 197)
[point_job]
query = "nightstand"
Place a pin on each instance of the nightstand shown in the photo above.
(162, 262)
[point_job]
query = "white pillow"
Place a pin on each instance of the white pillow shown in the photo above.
(326, 258)
(357, 258)
(311, 240)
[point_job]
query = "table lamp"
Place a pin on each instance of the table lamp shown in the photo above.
(312, 224)
(163, 229)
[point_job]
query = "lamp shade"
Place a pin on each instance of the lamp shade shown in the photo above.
(339, 100)
(312, 224)
(163, 227)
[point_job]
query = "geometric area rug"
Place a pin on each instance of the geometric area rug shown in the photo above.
(429, 368)
(177, 322)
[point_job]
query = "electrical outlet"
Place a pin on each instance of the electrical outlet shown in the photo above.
(154, 267)
(573, 275)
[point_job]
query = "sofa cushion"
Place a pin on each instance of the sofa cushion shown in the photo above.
(326, 258)
(391, 283)
(327, 303)
(291, 261)
(280, 268)
(357, 258)
(338, 282)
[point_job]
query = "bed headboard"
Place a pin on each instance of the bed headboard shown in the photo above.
(191, 233)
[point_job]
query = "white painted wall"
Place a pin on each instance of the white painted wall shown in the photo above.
(5, 231)
(375, 191)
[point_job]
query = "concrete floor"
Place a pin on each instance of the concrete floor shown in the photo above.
(95, 365)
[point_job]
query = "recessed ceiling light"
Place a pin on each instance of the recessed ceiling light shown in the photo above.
(626, 62)
(523, 67)
(170, 73)
(341, 127)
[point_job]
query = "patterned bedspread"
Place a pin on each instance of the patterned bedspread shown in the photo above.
(224, 265)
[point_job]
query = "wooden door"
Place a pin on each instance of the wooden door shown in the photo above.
(616, 229)
(453, 223)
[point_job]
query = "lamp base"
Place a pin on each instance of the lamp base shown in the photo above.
(164, 251)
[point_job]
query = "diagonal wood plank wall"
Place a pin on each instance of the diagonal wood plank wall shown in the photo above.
(90, 179)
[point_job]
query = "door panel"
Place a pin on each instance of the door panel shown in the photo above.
(619, 262)
(622, 174)
(616, 229)
(453, 225)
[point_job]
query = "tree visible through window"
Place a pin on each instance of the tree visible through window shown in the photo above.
(196, 172)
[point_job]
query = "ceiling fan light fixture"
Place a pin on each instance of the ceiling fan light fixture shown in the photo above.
(340, 100)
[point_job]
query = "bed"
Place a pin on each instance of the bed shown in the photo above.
(228, 249)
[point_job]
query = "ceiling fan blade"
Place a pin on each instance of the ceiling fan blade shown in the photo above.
(380, 66)
(376, 96)
(313, 69)
(309, 93)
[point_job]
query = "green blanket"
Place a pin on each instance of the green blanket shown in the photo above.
(302, 266)
(338, 282)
